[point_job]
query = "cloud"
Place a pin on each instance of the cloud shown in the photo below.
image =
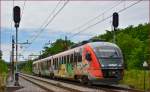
(6, 48)
(72, 16)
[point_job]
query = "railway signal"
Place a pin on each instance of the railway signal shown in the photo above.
(16, 18)
(16, 14)
(115, 19)
(115, 23)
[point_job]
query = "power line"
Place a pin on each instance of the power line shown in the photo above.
(102, 14)
(104, 19)
(46, 20)
(53, 17)
(51, 13)
(23, 7)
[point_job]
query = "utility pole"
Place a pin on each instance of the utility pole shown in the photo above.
(66, 44)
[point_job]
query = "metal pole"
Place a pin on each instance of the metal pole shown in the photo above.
(16, 48)
(114, 38)
(16, 74)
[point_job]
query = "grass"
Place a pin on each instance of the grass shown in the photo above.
(3, 75)
(3, 82)
(135, 79)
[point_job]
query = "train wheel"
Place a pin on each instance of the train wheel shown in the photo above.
(51, 75)
(84, 80)
(39, 74)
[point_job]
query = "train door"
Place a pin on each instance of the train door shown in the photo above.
(69, 66)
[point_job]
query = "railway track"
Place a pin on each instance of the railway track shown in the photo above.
(56, 86)
(65, 86)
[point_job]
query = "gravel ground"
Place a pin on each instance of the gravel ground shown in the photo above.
(27, 87)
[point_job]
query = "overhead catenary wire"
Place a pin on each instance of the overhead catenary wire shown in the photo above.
(51, 13)
(47, 19)
(53, 17)
(99, 15)
(23, 7)
(104, 19)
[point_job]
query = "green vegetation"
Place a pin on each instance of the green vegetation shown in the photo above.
(3, 67)
(26, 67)
(58, 46)
(135, 79)
(3, 74)
(134, 43)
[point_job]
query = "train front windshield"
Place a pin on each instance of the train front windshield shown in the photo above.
(109, 57)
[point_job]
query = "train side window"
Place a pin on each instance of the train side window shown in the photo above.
(88, 56)
(65, 58)
(57, 62)
(62, 60)
(71, 58)
(41, 67)
(54, 62)
(50, 62)
(75, 57)
(68, 59)
(79, 57)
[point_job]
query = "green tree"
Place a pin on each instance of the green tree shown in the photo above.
(58, 46)
(134, 43)
(27, 67)
(3, 67)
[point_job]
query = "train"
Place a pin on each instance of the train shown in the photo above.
(89, 62)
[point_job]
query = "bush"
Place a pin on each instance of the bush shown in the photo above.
(135, 79)
(3, 67)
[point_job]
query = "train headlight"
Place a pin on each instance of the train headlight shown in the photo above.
(102, 65)
(120, 65)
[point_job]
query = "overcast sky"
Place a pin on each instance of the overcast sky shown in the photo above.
(67, 21)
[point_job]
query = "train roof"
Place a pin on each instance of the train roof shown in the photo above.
(76, 49)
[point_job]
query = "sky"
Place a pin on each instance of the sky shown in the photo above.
(67, 22)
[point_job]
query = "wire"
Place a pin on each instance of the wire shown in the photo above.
(51, 13)
(102, 14)
(104, 19)
(46, 20)
(53, 17)
(23, 7)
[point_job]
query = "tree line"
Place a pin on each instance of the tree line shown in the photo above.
(133, 40)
